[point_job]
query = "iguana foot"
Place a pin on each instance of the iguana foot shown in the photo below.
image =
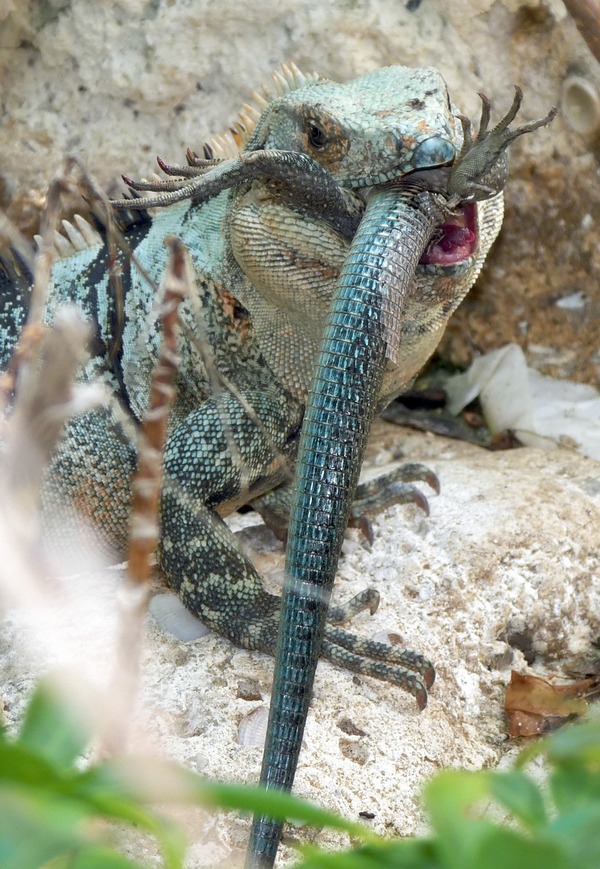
(402, 667)
(371, 497)
(481, 168)
(368, 599)
(389, 663)
(396, 487)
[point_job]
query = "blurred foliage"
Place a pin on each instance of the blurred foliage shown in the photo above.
(58, 813)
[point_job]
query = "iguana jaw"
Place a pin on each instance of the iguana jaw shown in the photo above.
(456, 241)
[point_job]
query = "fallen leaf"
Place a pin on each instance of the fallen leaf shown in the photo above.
(535, 706)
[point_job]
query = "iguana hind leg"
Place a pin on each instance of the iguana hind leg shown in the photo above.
(219, 455)
(86, 497)
(215, 459)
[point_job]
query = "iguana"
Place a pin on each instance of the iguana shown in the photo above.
(332, 234)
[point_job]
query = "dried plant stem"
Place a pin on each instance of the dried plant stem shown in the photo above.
(147, 486)
(44, 401)
(586, 15)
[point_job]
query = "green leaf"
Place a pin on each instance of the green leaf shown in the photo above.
(20, 765)
(393, 853)
(98, 792)
(37, 826)
(574, 787)
(508, 849)
(52, 728)
(108, 791)
(521, 796)
(452, 793)
(155, 780)
(450, 799)
(578, 833)
(98, 857)
(275, 804)
(579, 744)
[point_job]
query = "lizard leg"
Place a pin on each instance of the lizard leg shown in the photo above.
(293, 178)
(86, 496)
(214, 460)
(202, 561)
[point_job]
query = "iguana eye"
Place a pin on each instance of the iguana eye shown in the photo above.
(316, 135)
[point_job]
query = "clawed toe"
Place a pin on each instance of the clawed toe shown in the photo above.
(402, 667)
(393, 488)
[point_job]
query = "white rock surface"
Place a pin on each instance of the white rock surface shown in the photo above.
(116, 83)
(512, 542)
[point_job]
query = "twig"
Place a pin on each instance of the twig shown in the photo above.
(586, 15)
(147, 485)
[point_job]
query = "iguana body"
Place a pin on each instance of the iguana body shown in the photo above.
(268, 234)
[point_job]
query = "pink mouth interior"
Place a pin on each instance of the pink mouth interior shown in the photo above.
(454, 241)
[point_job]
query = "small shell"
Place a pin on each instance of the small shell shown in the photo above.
(580, 105)
(253, 728)
(171, 615)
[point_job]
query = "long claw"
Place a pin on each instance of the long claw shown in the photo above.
(433, 481)
(419, 499)
(365, 525)
(421, 698)
(429, 677)
(486, 113)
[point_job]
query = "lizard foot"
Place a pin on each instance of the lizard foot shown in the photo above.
(371, 497)
(368, 599)
(481, 168)
(402, 667)
(393, 488)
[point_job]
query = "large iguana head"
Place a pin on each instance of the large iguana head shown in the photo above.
(384, 125)
(367, 131)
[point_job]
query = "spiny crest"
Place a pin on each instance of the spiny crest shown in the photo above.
(283, 81)
(219, 147)
(186, 181)
(76, 238)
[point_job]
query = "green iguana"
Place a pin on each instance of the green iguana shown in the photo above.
(332, 234)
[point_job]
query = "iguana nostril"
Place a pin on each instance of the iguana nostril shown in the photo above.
(435, 151)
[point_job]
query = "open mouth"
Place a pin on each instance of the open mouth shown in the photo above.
(454, 241)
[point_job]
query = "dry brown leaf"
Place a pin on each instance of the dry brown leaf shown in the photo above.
(535, 706)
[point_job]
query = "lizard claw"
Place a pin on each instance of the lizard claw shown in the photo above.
(402, 667)
(393, 488)
(364, 600)
(481, 168)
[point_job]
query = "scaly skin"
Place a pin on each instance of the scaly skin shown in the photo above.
(276, 241)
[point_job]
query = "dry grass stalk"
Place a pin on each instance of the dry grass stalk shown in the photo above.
(147, 486)
(147, 482)
(42, 377)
